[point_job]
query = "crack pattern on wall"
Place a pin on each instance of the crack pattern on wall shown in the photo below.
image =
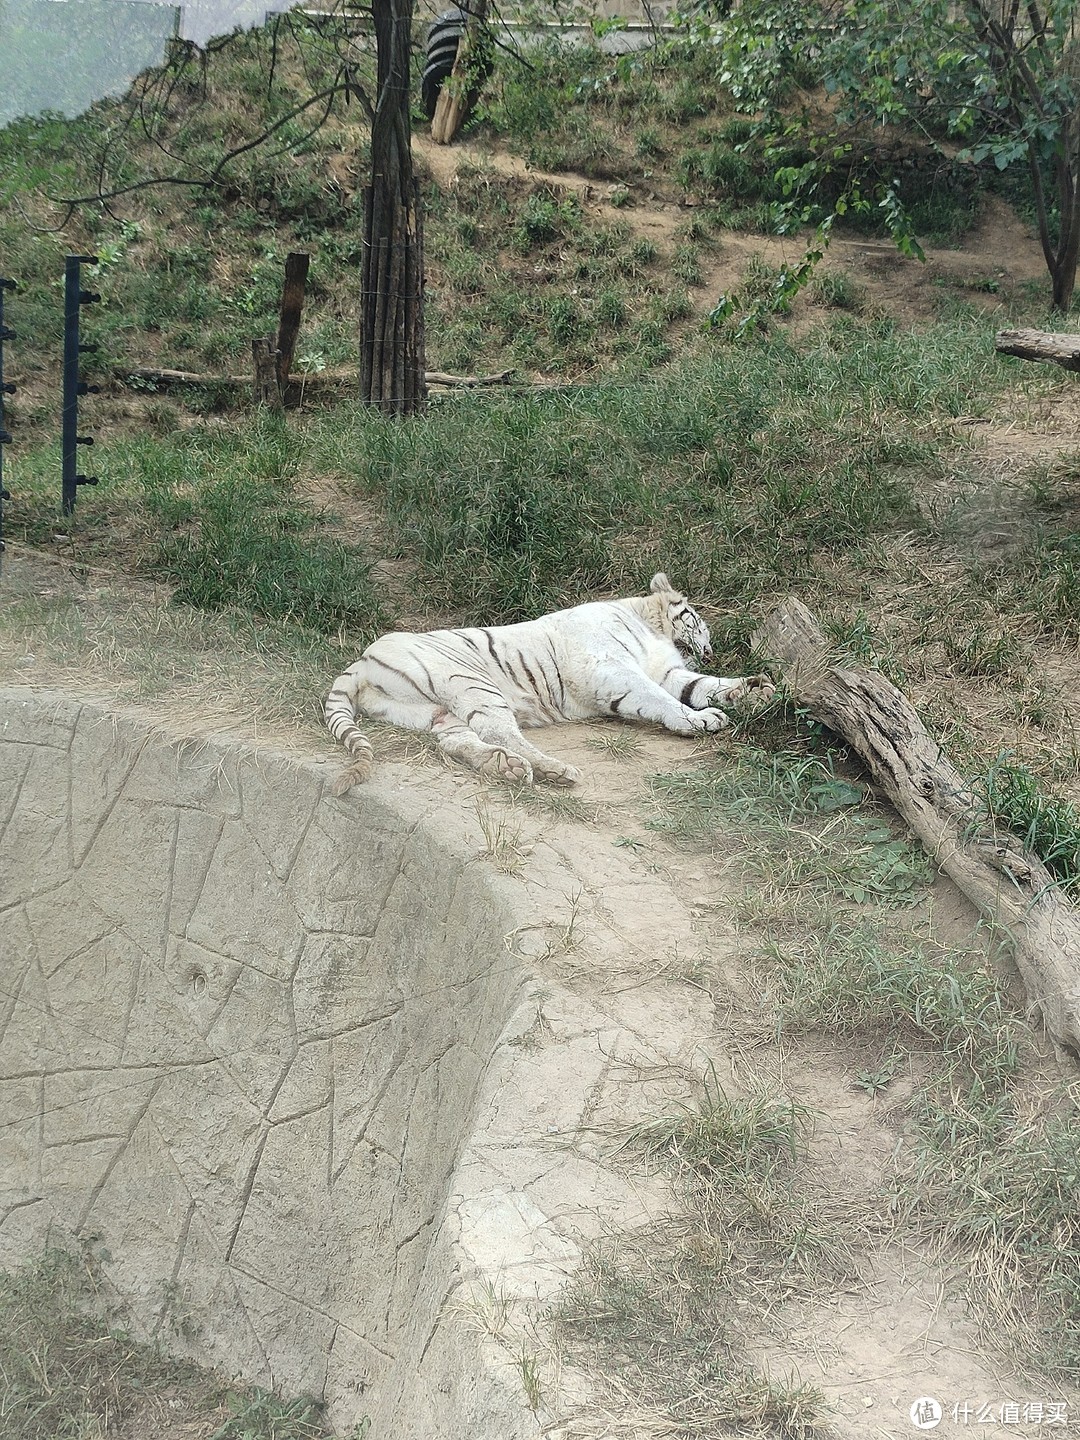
(242, 1027)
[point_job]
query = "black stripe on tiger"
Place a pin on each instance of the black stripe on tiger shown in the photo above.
(426, 695)
(558, 676)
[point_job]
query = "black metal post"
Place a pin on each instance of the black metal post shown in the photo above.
(6, 388)
(74, 298)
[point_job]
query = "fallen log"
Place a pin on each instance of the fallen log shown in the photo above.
(163, 378)
(1008, 884)
(1061, 350)
(500, 377)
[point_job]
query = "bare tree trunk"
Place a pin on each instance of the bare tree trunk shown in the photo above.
(458, 94)
(391, 305)
(1007, 883)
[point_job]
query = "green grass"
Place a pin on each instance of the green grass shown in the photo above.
(61, 1366)
(216, 513)
(988, 1172)
(799, 824)
(860, 981)
(1048, 825)
(997, 1184)
(732, 470)
(251, 550)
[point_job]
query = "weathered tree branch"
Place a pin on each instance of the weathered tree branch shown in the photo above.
(1009, 885)
(214, 177)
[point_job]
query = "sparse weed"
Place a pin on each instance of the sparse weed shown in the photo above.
(69, 1367)
(998, 1185)
(642, 252)
(556, 803)
(980, 652)
(65, 1369)
(260, 1415)
(485, 1309)
(856, 981)
(669, 1311)
(530, 1378)
(800, 825)
(502, 841)
(834, 290)
(686, 264)
(569, 932)
(618, 742)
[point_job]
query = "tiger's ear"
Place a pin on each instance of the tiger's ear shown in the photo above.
(660, 582)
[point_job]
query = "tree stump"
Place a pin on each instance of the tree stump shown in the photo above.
(292, 305)
(264, 359)
(1009, 885)
(458, 94)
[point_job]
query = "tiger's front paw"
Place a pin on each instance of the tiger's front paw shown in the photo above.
(708, 720)
(751, 691)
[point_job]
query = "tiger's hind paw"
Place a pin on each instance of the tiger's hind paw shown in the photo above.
(507, 766)
(556, 773)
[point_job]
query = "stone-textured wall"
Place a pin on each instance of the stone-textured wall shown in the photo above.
(243, 1030)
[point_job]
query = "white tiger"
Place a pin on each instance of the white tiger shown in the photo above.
(474, 688)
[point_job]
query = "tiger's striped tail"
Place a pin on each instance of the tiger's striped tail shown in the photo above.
(340, 715)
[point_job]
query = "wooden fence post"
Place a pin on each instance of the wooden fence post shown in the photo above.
(292, 304)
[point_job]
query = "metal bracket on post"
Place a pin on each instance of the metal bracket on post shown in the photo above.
(6, 388)
(74, 297)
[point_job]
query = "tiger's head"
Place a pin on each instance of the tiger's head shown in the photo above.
(681, 621)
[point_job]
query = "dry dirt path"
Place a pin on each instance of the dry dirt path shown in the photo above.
(999, 254)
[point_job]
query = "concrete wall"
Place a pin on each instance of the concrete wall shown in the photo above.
(243, 1029)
